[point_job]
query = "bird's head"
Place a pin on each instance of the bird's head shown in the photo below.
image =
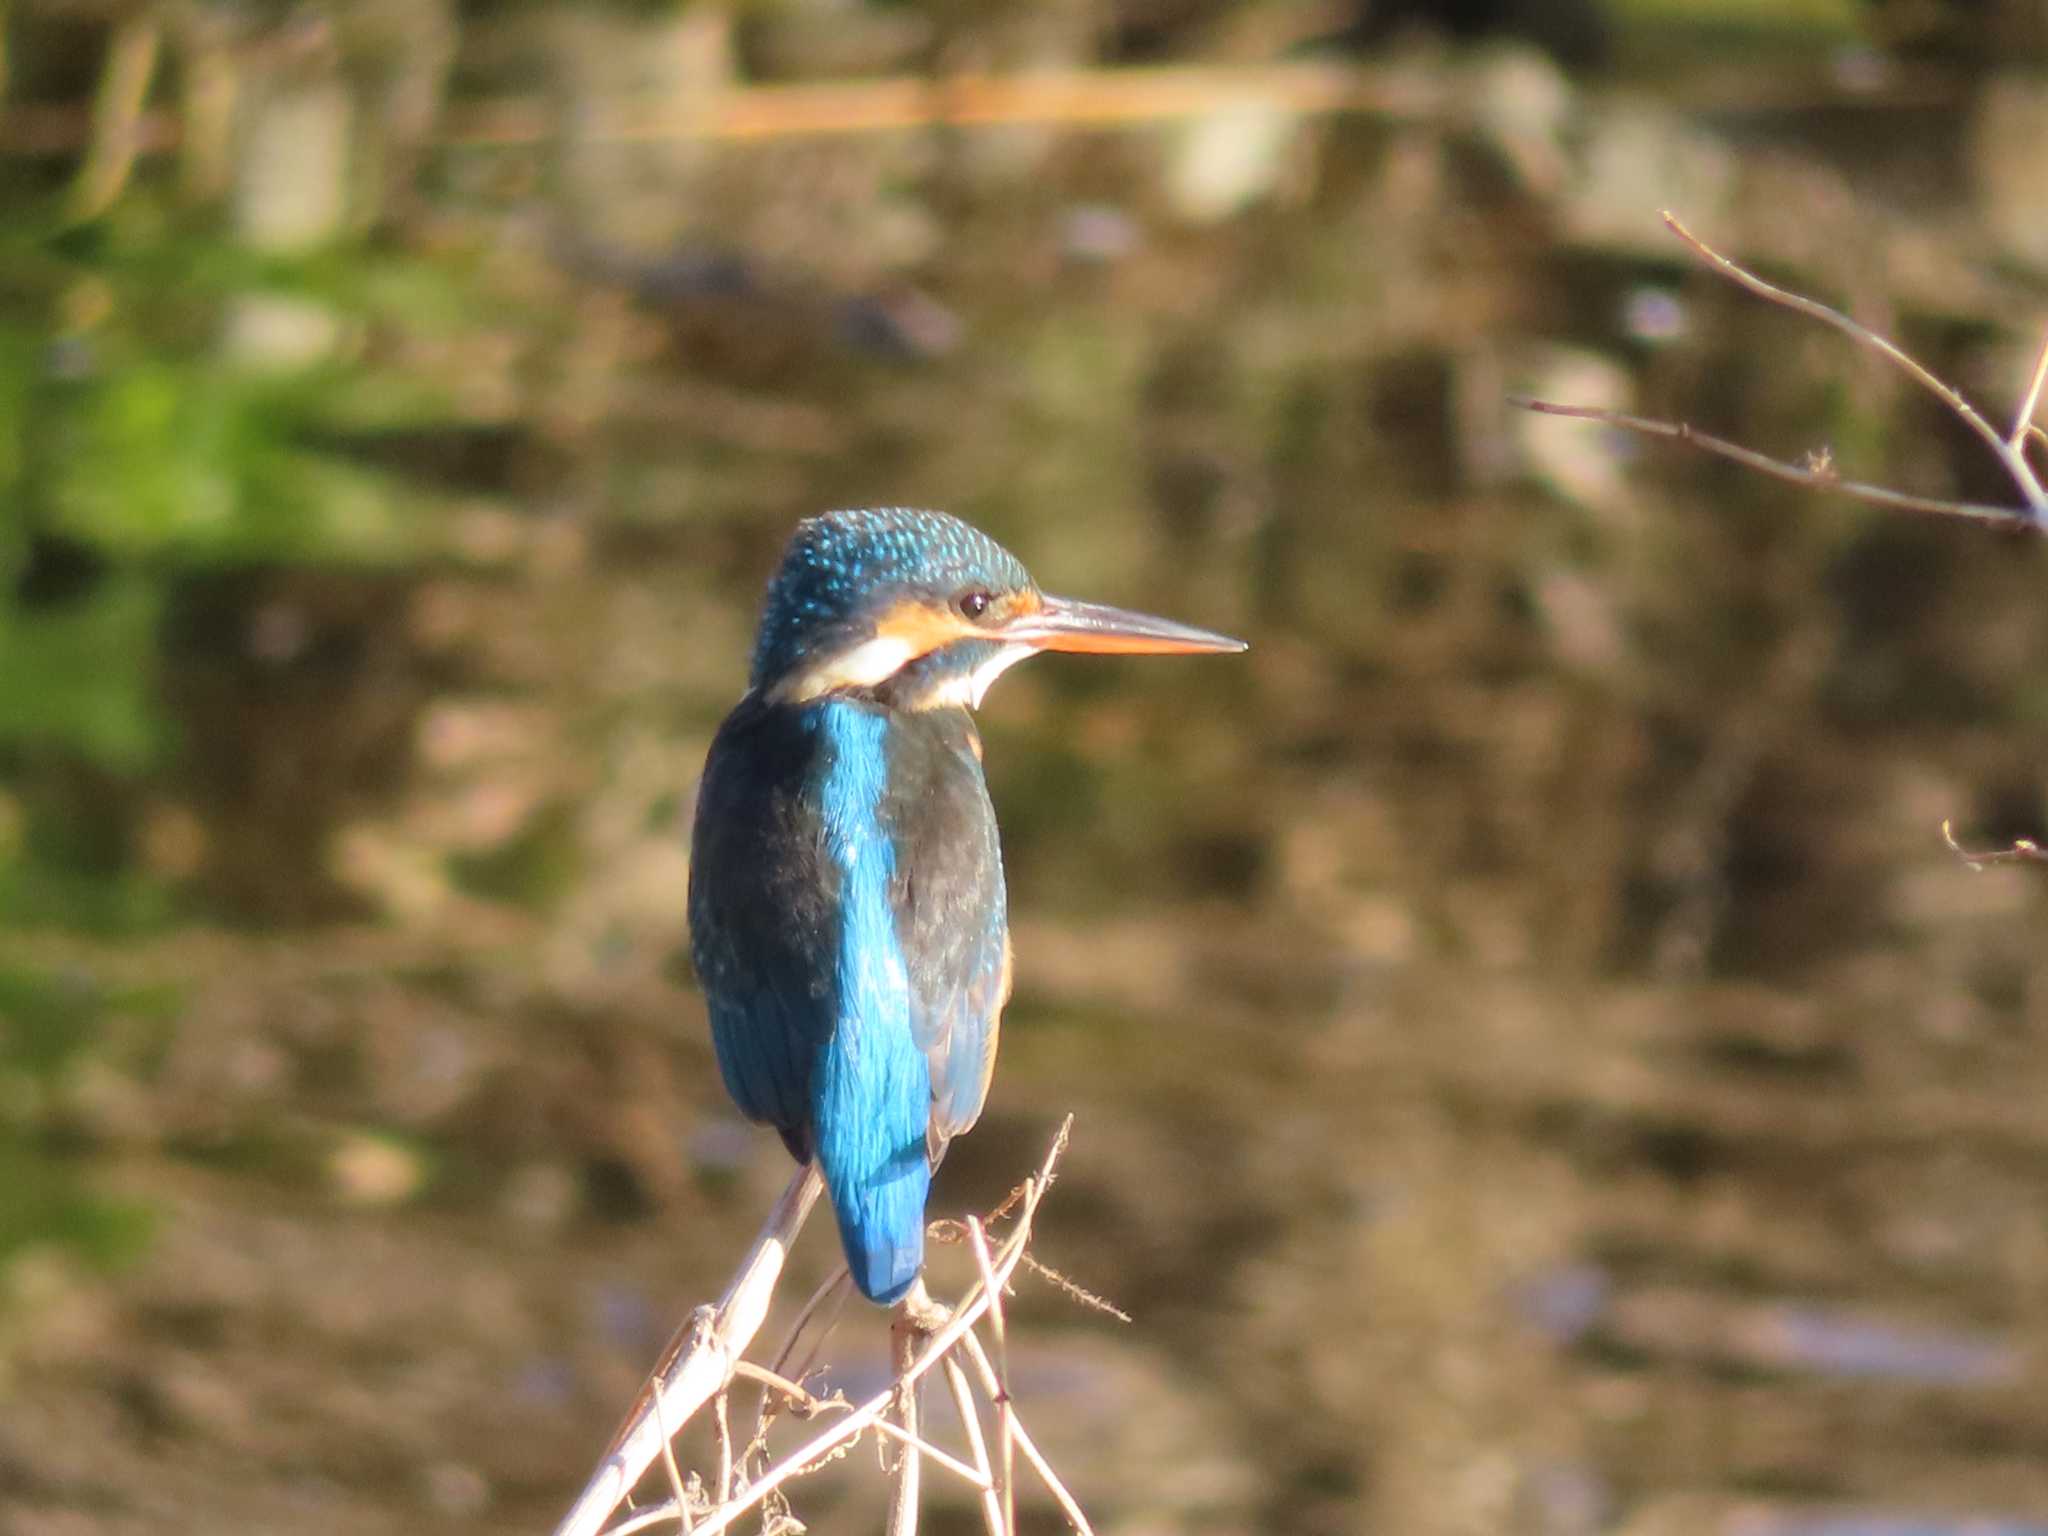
(931, 609)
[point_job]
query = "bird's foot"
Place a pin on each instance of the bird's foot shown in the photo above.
(920, 1313)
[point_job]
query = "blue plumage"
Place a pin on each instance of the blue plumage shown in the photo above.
(847, 911)
(871, 1093)
(845, 1009)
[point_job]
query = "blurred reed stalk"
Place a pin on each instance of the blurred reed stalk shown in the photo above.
(209, 82)
(116, 131)
(1079, 98)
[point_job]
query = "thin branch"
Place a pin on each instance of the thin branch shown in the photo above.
(2007, 452)
(654, 1514)
(831, 1286)
(1006, 1419)
(905, 1485)
(832, 1291)
(1074, 1290)
(2023, 420)
(668, 1455)
(698, 1362)
(722, 1415)
(2023, 851)
(1818, 474)
(970, 1423)
(833, 1439)
(1069, 1505)
(809, 1404)
(920, 1448)
(801, 1398)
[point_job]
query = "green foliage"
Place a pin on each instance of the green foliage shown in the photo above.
(48, 1028)
(49, 1022)
(145, 441)
(49, 1204)
(78, 676)
(190, 461)
(533, 869)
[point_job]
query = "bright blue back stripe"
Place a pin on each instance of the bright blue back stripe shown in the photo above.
(871, 1093)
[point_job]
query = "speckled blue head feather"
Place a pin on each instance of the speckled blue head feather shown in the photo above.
(843, 570)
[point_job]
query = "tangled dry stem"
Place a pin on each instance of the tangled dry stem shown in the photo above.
(2011, 448)
(706, 1359)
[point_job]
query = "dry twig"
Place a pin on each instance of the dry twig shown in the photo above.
(2023, 851)
(2010, 448)
(1818, 473)
(697, 1363)
(1006, 1424)
(929, 1337)
(992, 1513)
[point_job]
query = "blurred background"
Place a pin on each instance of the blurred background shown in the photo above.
(1537, 1066)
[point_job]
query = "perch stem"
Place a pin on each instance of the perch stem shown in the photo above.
(970, 1421)
(1006, 1420)
(1069, 1505)
(697, 1364)
(829, 1440)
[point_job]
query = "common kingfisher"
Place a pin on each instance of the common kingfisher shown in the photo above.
(847, 910)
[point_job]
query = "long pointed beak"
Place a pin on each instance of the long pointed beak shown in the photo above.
(1066, 625)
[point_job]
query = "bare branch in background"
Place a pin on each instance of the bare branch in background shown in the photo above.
(2023, 428)
(1819, 473)
(2024, 851)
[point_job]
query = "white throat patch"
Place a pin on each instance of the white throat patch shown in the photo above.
(875, 661)
(968, 690)
(867, 664)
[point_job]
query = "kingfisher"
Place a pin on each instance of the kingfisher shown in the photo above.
(848, 919)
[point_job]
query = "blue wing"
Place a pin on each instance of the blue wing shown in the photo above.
(765, 915)
(847, 920)
(951, 913)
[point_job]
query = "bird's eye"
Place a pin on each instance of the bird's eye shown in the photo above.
(973, 604)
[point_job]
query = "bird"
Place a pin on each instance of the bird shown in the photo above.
(848, 917)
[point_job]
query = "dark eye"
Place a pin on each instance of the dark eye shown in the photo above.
(972, 604)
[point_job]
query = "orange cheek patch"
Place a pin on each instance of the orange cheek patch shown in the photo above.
(922, 627)
(1023, 605)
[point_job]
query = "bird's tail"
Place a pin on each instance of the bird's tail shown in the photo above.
(877, 1173)
(881, 1219)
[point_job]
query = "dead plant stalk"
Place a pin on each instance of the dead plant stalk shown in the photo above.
(705, 1358)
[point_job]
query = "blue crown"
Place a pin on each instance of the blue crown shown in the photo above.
(843, 570)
